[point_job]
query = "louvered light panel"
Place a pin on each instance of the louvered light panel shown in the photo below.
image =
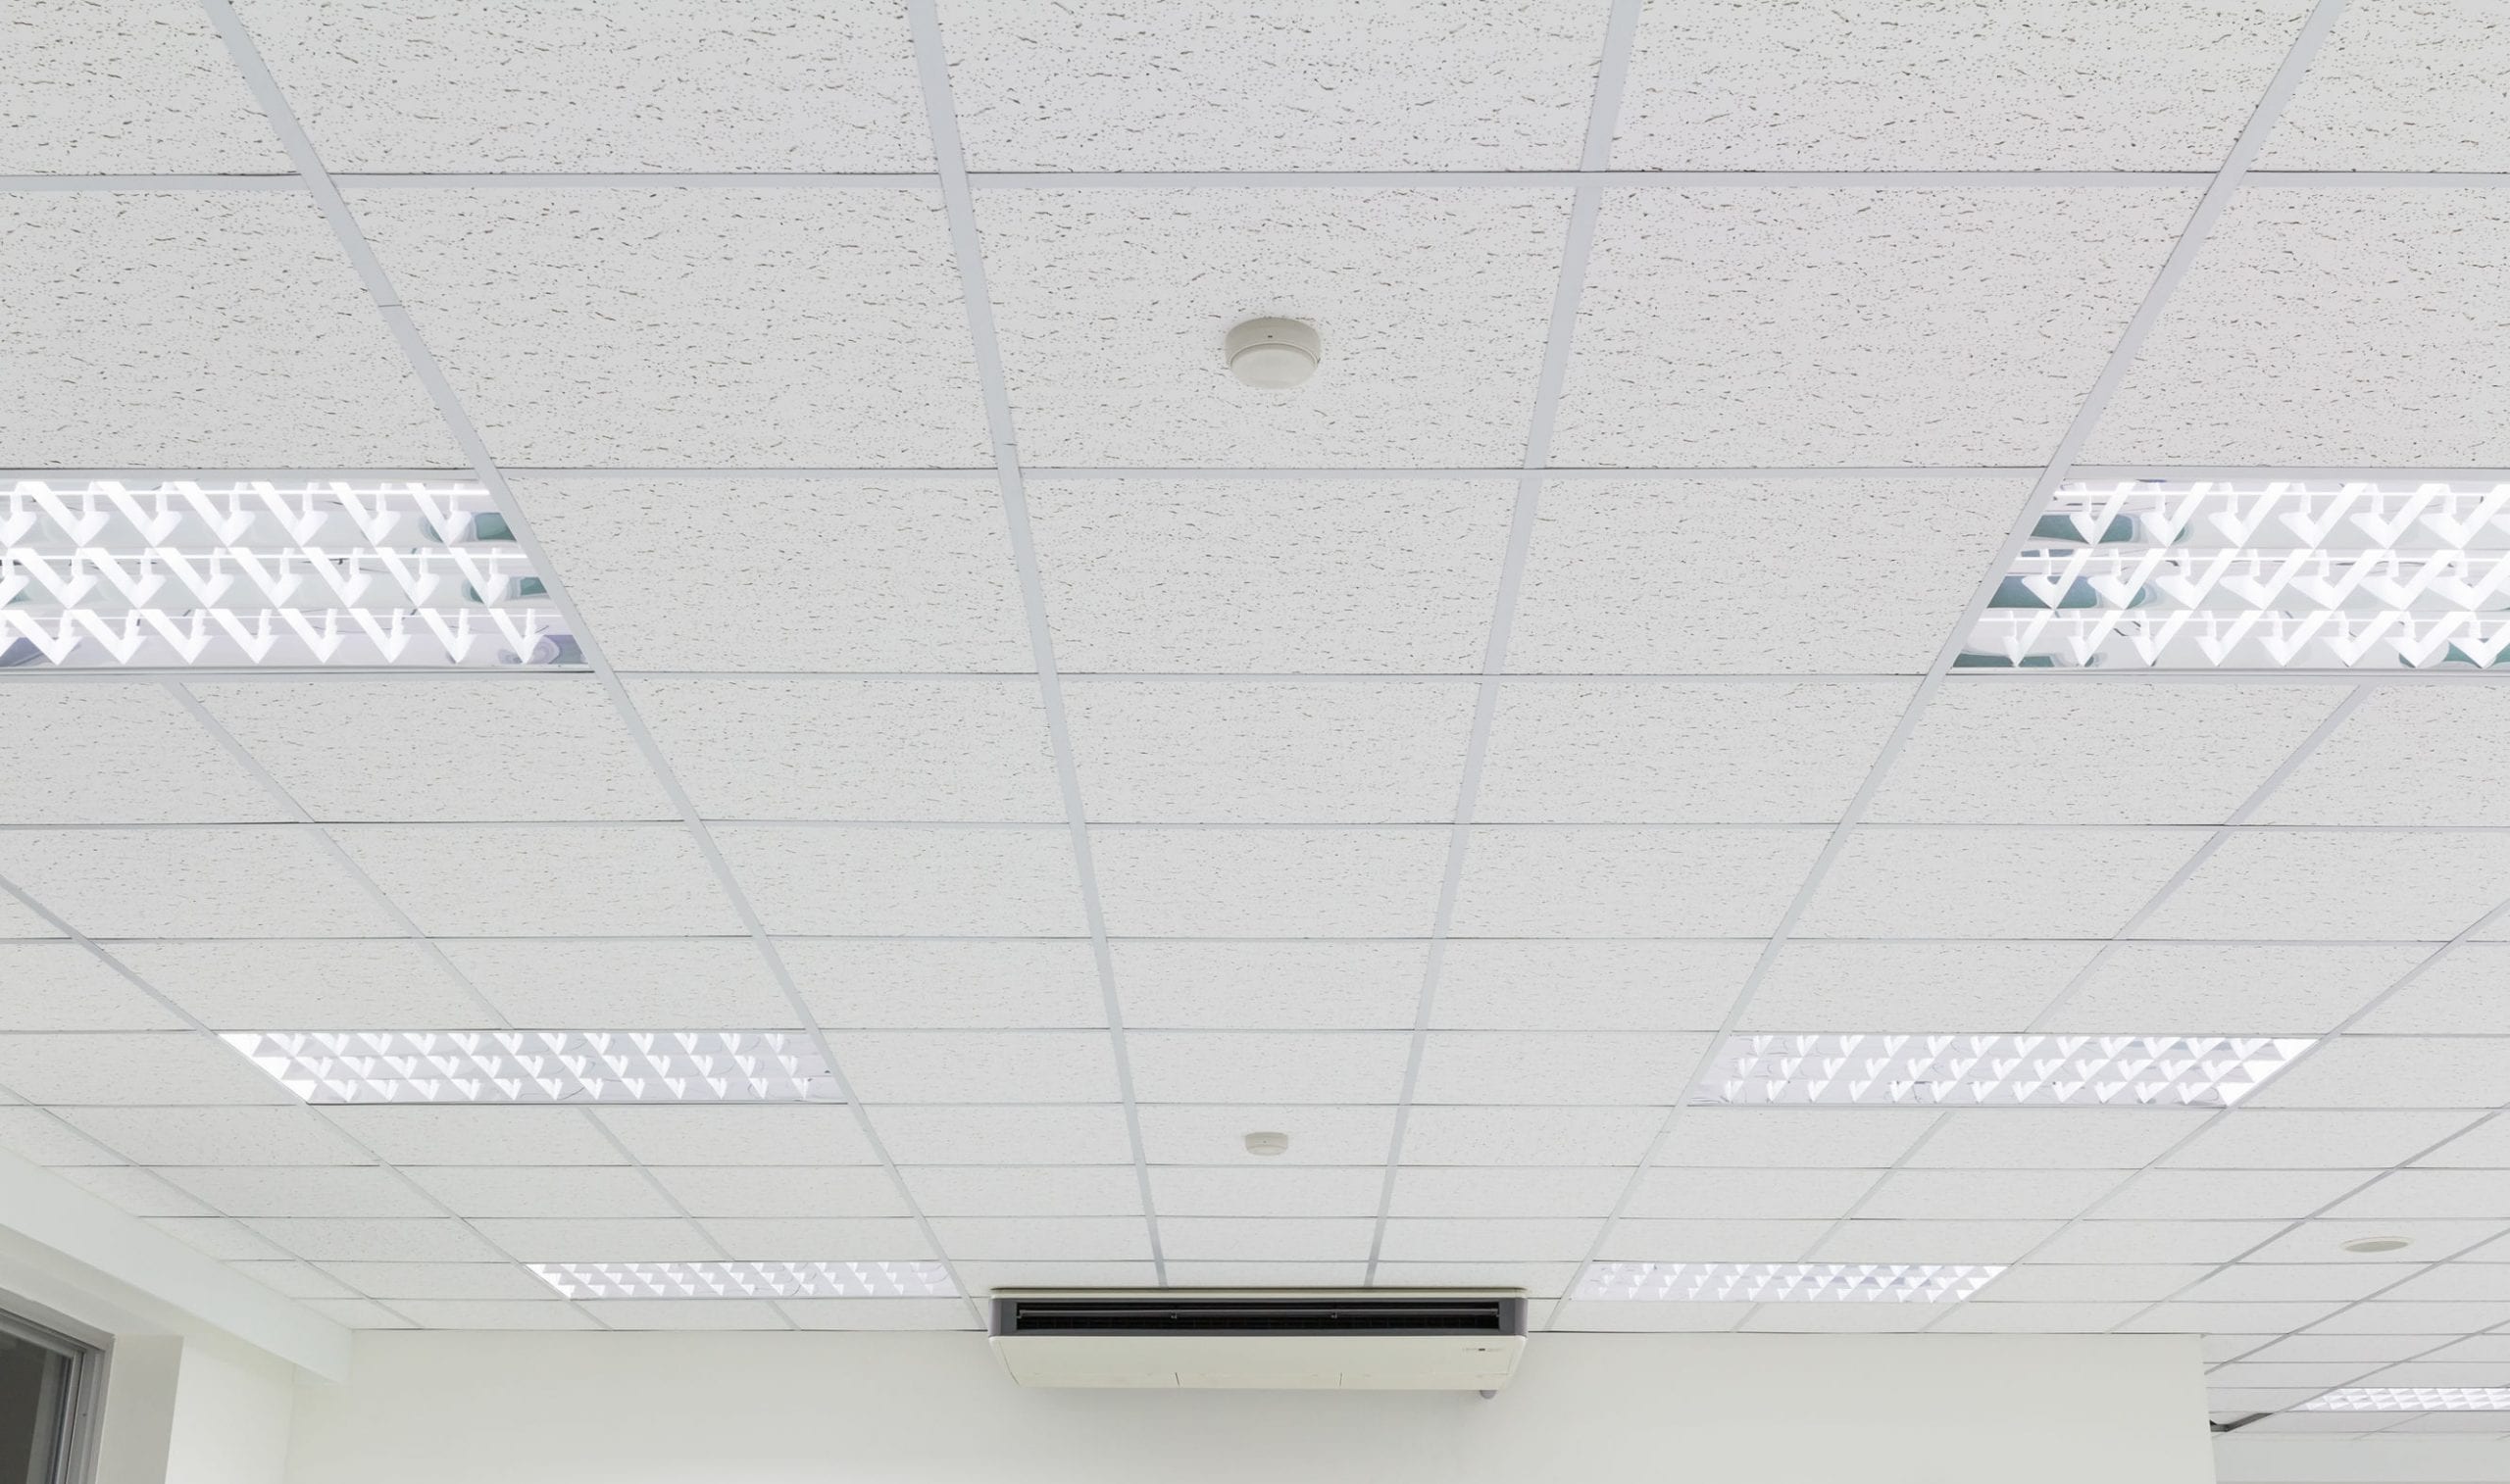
(541, 1065)
(1992, 1071)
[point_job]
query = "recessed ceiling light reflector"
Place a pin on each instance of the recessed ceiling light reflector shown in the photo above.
(2412, 1399)
(2029, 1071)
(1786, 1282)
(2264, 575)
(747, 1280)
(541, 1065)
(104, 573)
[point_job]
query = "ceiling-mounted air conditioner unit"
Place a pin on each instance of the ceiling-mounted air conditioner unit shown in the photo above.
(1261, 1339)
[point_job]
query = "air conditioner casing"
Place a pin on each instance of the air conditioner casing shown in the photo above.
(1378, 1339)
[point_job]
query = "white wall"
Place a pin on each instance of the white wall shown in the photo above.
(233, 1409)
(935, 1409)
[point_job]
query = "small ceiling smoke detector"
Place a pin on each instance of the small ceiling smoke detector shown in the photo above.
(2377, 1244)
(1273, 354)
(1268, 1144)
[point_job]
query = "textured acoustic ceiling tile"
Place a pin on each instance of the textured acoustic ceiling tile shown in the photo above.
(138, 760)
(2401, 84)
(2338, 884)
(524, 881)
(630, 983)
(907, 882)
(1992, 883)
(1557, 984)
(1203, 884)
(1912, 986)
(267, 881)
(1679, 883)
(337, 985)
(2196, 988)
(947, 984)
(141, 88)
(1257, 986)
(2409, 754)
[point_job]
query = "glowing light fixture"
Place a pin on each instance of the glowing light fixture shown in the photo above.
(2412, 1399)
(2028, 1070)
(540, 1065)
(1786, 1282)
(747, 1280)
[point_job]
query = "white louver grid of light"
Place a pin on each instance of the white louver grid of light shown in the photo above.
(1992, 1071)
(540, 1065)
(747, 1280)
(1786, 1282)
(2412, 1399)
(180, 573)
(2257, 574)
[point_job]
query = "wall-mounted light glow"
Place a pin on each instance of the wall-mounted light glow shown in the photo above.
(2023, 1070)
(1786, 1282)
(747, 1280)
(2412, 1399)
(540, 1065)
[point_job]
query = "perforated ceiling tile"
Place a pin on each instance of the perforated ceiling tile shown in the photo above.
(1555, 1067)
(634, 984)
(16, 922)
(1962, 882)
(570, 323)
(2455, 996)
(2055, 1138)
(1813, 326)
(981, 1066)
(1516, 1136)
(1901, 85)
(1075, 1190)
(2401, 84)
(2155, 754)
(1266, 1190)
(2336, 327)
(524, 1191)
(1929, 986)
(1112, 306)
(2184, 987)
(909, 882)
(2265, 1138)
(716, 574)
(1696, 1194)
(784, 1192)
(218, 882)
(220, 330)
(527, 881)
(1521, 1192)
(947, 984)
(2398, 1072)
(1261, 1067)
(836, 749)
(1987, 1195)
(139, 759)
(1278, 85)
(1602, 882)
(2338, 884)
(1756, 753)
(1214, 1133)
(325, 985)
(1211, 752)
(1160, 883)
(329, 1239)
(670, 86)
(1860, 1138)
(62, 986)
(504, 749)
(786, 1134)
(1257, 986)
(2406, 755)
(134, 88)
(960, 1134)
(1271, 576)
(1507, 984)
(449, 1134)
(1747, 576)
(220, 1135)
(365, 1190)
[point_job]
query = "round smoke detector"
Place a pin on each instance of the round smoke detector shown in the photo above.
(1268, 1144)
(2376, 1244)
(1273, 354)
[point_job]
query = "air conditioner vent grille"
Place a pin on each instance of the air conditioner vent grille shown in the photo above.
(1178, 1314)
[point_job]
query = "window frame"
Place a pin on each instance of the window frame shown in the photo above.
(75, 1454)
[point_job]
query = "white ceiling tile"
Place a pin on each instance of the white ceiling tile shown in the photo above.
(1987, 1195)
(2490, 1349)
(1185, 985)
(1778, 1194)
(138, 759)
(2139, 1242)
(786, 574)
(2485, 1145)
(526, 1191)
(1061, 1239)
(242, 883)
(2357, 1348)
(1277, 85)
(2241, 1319)
(2409, 754)
(136, 89)
(1266, 1190)
(1541, 1280)
(1519, 1135)
(220, 330)
(2323, 1241)
(2338, 884)
(1816, 986)
(480, 1281)
(38, 1135)
(1026, 1190)
(945, 1134)
(592, 1240)
(2459, 995)
(160, 1067)
(1200, 1133)
(350, 1239)
(2034, 1318)
(2396, 1073)
(2143, 753)
(908, 882)
(276, 1135)
(879, 1314)
(1316, 883)
(339, 984)
(351, 1190)
(1268, 1067)
(1743, 575)
(624, 984)
(2380, 1317)
(2430, 1193)
(1852, 325)
(1265, 1239)
(19, 922)
(1329, 752)
(2090, 1282)
(2263, 1138)
(828, 748)
(1904, 85)
(457, 1135)
(734, 1134)
(1810, 1138)
(1595, 751)
(524, 881)
(2327, 327)
(1270, 575)
(2056, 1138)
(218, 1237)
(872, 1239)
(1287, 1274)
(2276, 1282)
(1112, 306)
(670, 86)
(492, 1314)
(1511, 1191)
(140, 1192)
(2401, 84)
(1554, 984)
(1675, 882)
(2008, 884)
(1711, 1240)
(2208, 989)
(1554, 1239)
(2475, 1282)
(2188, 1195)
(683, 1314)
(1598, 1315)
(62, 986)
(546, 748)
(1934, 1241)
(297, 1280)
(969, 984)
(1558, 1066)
(980, 1065)
(784, 1191)
(982, 1276)
(574, 324)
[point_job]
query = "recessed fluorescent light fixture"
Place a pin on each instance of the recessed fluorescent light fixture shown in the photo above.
(2256, 574)
(1786, 1282)
(2412, 1399)
(179, 574)
(747, 1280)
(2029, 1071)
(541, 1065)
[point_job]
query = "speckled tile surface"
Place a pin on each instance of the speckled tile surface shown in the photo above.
(103, 87)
